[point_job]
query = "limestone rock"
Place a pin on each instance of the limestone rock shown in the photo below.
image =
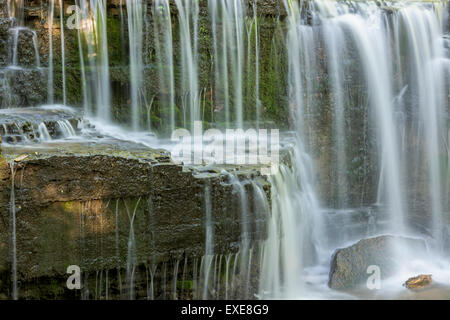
(349, 266)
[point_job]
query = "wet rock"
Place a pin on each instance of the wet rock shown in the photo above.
(419, 282)
(349, 266)
(21, 42)
(76, 205)
(22, 124)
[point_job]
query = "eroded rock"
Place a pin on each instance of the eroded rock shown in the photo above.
(349, 266)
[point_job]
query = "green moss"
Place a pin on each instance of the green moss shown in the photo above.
(115, 42)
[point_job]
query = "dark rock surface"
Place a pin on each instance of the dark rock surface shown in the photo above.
(349, 265)
(75, 207)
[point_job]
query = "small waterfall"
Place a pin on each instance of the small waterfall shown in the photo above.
(66, 128)
(44, 135)
(50, 85)
(188, 11)
(63, 51)
(15, 10)
(131, 255)
(136, 11)
(5, 88)
(209, 242)
(15, 46)
(335, 41)
(82, 24)
(426, 56)
(374, 54)
(96, 82)
(295, 231)
(257, 57)
(15, 64)
(228, 25)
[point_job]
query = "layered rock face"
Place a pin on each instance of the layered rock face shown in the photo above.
(112, 210)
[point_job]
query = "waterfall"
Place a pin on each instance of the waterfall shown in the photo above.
(257, 57)
(367, 96)
(295, 231)
(209, 241)
(427, 63)
(228, 23)
(43, 132)
(63, 51)
(335, 41)
(136, 11)
(66, 129)
(15, 10)
(50, 85)
(97, 81)
(81, 24)
(188, 11)
(131, 253)
(373, 52)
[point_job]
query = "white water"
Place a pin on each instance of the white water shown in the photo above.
(15, 10)
(366, 32)
(228, 23)
(63, 51)
(136, 11)
(50, 85)
(404, 109)
(427, 66)
(95, 82)
(188, 11)
(335, 42)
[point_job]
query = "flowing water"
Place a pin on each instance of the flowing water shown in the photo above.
(188, 18)
(136, 12)
(95, 81)
(387, 72)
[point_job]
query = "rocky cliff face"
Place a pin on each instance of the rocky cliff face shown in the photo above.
(87, 208)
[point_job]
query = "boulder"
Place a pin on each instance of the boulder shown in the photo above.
(349, 266)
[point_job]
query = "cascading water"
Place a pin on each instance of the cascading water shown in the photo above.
(136, 12)
(63, 51)
(15, 10)
(188, 18)
(386, 71)
(426, 96)
(51, 15)
(236, 52)
(96, 82)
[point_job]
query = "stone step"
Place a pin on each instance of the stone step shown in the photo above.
(38, 124)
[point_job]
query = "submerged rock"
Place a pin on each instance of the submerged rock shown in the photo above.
(419, 282)
(350, 266)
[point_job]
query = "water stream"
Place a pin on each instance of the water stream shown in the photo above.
(365, 152)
